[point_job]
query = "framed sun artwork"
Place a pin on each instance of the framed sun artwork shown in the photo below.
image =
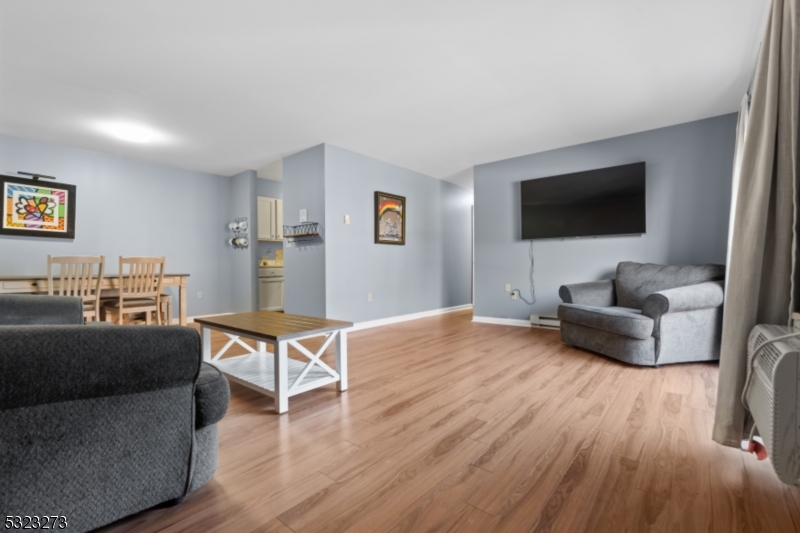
(390, 218)
(35, 208)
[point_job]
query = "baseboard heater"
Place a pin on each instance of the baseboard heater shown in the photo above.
(548, 322)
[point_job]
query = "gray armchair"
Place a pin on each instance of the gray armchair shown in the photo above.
(648, 315)
(101, 422)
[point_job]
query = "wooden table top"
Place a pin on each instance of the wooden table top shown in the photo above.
(56, 277)
(273, 326)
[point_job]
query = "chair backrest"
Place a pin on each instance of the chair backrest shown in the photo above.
(637, 281)
(76, 276)
(141, 277)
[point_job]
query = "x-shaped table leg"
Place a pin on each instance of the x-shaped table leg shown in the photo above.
(314, 359)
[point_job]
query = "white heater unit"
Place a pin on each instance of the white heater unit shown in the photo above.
(771, 395)
(550, 322)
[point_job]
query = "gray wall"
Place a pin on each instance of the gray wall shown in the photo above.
(130, 207)
(688, 201)
(304, 272)
(456, 248)
(244, 265)
(431, 271)
(270, 189)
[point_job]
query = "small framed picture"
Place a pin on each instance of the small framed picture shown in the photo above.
(35, 208)
(390, 218)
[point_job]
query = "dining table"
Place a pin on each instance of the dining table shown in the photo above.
(38, 284)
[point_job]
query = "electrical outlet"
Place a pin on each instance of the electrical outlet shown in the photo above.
(199, 295)
(514, 295)
(347, 219)
(369, 297)
(508, 287)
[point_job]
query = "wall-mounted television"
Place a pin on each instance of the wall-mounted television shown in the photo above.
(606, 201)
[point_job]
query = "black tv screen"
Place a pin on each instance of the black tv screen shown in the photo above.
(607, 201)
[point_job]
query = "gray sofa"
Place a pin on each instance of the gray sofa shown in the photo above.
(648, 315)
(100, 422)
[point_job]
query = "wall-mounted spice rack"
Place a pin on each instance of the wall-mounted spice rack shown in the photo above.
(301, 232)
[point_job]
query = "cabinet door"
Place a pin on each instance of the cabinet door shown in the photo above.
(270, 294)
(279, 219)
(265, 216)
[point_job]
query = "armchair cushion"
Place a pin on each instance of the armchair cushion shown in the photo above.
(211, 396)
(636, 281)
(619, 320)
(706, 295)
(40, 310)
(596, 293)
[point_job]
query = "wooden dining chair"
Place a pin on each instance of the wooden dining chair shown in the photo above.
(140, 280)
(76, 277)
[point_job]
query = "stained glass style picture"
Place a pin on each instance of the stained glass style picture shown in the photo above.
(390, 218)
(37, 208)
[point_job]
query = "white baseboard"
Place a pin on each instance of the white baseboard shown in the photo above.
(502, 321)
(405, 318)
(370, 323)
(190, 319)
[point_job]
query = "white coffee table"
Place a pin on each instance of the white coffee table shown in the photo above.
(275, 374)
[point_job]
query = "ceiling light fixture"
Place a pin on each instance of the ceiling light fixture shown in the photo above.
(131, 132)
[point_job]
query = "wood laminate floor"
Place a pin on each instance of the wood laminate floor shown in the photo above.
(455, 426)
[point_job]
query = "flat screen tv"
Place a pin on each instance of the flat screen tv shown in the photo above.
(607, 201)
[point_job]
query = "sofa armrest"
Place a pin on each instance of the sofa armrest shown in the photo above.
(596, 293)
(212, 394)
(41, 310)
(48, 364)
(707, 295)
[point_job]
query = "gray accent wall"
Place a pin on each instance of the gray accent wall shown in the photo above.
(688, 169)
(129, 207)
(244, 262)
(431, 271)
(304, 262)
(269, 188)
(456, 249)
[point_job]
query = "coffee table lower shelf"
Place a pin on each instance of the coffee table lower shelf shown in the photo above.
(257, 371)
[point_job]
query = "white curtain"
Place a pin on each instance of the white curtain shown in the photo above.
(762, 266)
(741, 131)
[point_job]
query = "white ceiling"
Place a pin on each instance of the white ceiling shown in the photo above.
(436, 86)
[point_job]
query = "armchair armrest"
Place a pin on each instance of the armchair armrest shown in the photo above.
(48, 364)
(35, 309)
(705, 295)
(597, 293)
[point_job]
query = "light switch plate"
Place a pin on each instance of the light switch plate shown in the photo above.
(347, 219)
(304, 215)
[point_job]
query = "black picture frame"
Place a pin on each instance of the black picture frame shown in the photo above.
(384, 239)
(7, 204)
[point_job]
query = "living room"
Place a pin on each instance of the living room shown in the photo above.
(305, 266)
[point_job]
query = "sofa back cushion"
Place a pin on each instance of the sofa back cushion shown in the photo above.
(637, 281)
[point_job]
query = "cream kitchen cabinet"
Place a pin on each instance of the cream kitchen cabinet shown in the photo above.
(270, 289)
(270, 219)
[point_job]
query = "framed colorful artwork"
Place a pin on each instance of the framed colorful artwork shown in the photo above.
(390, 218)
(36, 208)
